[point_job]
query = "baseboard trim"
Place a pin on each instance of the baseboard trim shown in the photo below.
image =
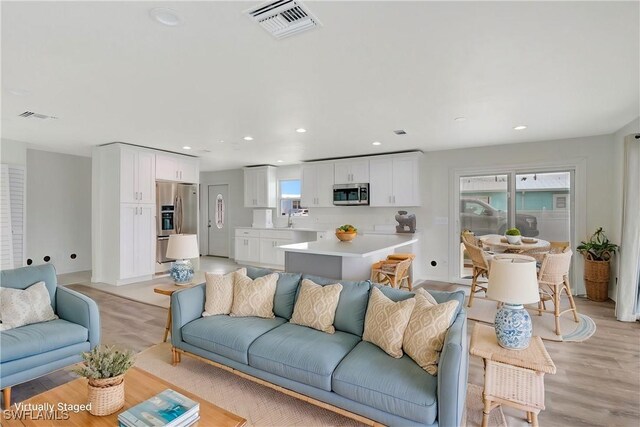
(176, 359)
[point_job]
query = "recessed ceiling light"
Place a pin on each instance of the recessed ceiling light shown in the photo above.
(279, 161)
(248, 138)
(460, 119)
(186, 147)
(19, 92)
(221, 141)
(520, 127)
(165, 16)
(301, 130)
(376, 143)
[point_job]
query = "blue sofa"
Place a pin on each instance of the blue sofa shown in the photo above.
(339, 369)
(38, 349)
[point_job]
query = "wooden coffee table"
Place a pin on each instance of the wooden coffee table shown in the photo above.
(139, 386)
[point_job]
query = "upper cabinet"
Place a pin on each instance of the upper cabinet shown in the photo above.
(137, 176)
(176, 168)
(260, 187)
(317, 185)
(350, 171)
(394, 181)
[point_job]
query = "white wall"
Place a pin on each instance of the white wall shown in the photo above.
(59, 210)
(237, 214)
(13, 152)
(615, 232)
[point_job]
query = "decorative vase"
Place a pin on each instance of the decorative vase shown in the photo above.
(514, 240)
(513, 327)
(106, 395)
(181, 271)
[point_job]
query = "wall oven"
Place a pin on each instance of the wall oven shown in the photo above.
(350, 194)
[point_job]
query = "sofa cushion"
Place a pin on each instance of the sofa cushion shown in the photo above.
(20, 278)
(39, 338)
(253, 297)
(301, 354)
(316, 306)
(352, 306)
(398, 386)
(386, 322)
(20, 307)
(286, 289)
(219, 292)
(228, 336)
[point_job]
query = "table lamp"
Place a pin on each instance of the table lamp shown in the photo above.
(513, 281)
(181, 247)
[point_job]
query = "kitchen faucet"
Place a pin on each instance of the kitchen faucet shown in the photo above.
(289, 221)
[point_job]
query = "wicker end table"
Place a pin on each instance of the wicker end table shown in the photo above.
(511, 377)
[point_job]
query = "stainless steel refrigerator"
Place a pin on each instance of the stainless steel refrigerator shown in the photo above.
(177, 213)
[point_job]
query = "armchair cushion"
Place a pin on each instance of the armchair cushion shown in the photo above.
(19, 307)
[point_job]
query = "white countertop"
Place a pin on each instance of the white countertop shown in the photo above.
(315, 230)
(360, 247)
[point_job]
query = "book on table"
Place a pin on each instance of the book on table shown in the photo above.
(166, 409)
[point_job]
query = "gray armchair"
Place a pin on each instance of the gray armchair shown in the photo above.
(31, 351)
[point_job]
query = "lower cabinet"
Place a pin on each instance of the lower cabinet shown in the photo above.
(137, 240)
(247, 249)
(260, 247)
(269, 252)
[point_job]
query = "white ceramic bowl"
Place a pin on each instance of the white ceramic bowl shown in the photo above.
(514, 240)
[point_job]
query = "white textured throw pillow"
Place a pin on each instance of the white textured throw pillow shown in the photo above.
(316, 306)
(427, 295)
(219, 292)
(427, 329)
(254, 297)
(20, 307)
(386, 321)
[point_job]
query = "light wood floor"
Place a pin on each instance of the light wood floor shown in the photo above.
(597, 383)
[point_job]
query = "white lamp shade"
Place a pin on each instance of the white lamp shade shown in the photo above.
(183, 246)
(513, 280)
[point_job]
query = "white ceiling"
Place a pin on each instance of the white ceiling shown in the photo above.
(111, 73)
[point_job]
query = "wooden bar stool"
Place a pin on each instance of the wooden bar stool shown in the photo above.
(401, 256)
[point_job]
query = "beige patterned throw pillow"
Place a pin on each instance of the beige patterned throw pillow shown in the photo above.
(386, 321)
(20, 307)
(254, 297)
(316, 306)
(219, 292)
(427, 329)
(427, 295)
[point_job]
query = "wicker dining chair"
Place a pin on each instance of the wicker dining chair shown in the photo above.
(391, 272)
(558, 247)
(480, 266)
(553, 279)
(401, 256)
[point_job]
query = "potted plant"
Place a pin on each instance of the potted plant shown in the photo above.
(513, 236)
(597, 253)
(104, 367)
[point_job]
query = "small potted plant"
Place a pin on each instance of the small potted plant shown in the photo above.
(346, 233)
(597, 253)
(513, 236)
(104, 367)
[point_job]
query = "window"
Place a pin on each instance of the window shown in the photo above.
(290, 198)
(560, 202)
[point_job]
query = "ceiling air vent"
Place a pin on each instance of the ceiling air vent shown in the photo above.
(284, 18)
(400, 132)
(32, 115)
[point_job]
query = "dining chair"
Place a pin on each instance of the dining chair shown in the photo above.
(558, 247)
(553, 280)
(391, 272)
(401, 256)
(480, 266)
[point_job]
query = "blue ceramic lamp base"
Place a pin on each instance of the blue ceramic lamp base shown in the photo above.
(513, 327)
(181, 271)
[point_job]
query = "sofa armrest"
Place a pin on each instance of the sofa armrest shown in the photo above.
(79, 309)
(452, 373)
(186, 305)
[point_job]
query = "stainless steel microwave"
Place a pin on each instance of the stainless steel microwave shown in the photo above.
(351, 194)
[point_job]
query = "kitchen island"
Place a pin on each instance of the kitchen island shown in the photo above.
(344, 260)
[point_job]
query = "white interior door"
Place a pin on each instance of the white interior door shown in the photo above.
(217, 221)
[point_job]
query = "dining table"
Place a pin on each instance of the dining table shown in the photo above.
(499, 243)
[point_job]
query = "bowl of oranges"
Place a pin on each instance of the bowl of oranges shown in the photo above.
(346, 233)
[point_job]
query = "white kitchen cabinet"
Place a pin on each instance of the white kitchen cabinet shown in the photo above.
(317, 185)
(351, 171)
(394, 181)
(247, 250)
(137, 240)
(177, 168)
(137, 176)
(260, 187)
(269, 252)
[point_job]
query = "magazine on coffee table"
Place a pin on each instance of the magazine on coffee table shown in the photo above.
(166, 409)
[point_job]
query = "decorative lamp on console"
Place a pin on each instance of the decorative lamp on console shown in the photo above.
(513, 281)
(182, 247)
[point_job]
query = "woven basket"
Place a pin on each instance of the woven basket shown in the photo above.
(106, 396)
(596, 279)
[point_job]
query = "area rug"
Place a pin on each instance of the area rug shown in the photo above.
(260, 405)
(484, 310)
